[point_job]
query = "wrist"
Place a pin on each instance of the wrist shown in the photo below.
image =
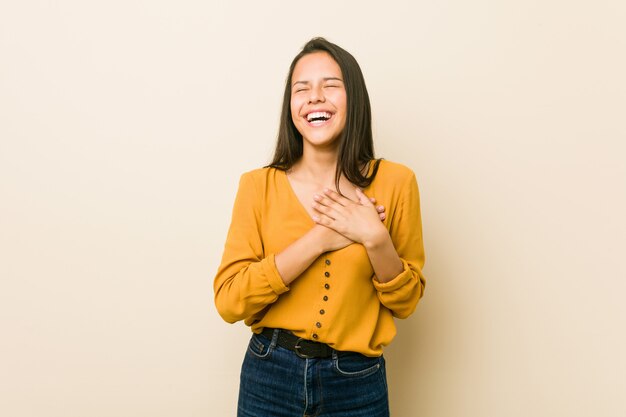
(315, 241)
(376, 239)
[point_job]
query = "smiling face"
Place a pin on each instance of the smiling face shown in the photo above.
(318, 100)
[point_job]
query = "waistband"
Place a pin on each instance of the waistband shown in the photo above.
(304, 348)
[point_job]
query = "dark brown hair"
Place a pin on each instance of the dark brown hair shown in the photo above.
(356, 146)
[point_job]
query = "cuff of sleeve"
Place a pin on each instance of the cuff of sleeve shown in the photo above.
(273, 277)
(396, 282)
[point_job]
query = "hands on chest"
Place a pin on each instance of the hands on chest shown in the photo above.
(355, 221)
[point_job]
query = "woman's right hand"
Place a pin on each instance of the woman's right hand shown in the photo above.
(328, 239)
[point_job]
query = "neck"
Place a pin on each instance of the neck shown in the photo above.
(318, 166)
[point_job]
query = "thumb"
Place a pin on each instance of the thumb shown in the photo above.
(363, 199)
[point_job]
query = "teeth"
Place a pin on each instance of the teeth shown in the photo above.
(317, 115)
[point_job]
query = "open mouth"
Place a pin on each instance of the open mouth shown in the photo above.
(318, 118)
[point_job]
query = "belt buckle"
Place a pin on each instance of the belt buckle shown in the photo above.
(297, 348)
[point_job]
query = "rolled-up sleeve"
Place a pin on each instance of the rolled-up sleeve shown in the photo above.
(402, 293)
(247, 279)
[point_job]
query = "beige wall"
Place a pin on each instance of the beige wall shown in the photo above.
(124, 127)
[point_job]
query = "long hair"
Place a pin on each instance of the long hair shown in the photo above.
(356, 146)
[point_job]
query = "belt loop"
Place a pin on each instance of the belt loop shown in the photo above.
(274, 338)
(334, 355)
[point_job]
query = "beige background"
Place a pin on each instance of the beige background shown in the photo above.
(124, 127)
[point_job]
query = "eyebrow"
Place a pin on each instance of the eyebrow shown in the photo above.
(325, 79)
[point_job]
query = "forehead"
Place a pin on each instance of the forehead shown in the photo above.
(316, 65)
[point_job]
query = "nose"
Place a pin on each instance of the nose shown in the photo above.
(316, 94)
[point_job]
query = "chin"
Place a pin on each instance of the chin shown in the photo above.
(322, 142)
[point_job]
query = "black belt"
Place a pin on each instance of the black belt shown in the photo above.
(304, 348)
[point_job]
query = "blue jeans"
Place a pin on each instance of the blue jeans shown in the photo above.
(275, 382)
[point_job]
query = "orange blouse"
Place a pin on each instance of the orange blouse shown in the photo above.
(337, 300)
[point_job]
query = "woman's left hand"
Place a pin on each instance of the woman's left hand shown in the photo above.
(359, 221)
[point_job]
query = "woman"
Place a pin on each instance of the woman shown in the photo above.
(310, 263)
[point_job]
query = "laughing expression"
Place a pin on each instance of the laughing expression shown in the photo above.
(318, 100)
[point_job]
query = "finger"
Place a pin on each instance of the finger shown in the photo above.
(373, 200)
(335, 196)
(380, 209)
(325, 210)
(323, 220)
(362, 197)
(382, 216)
(324, 201)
